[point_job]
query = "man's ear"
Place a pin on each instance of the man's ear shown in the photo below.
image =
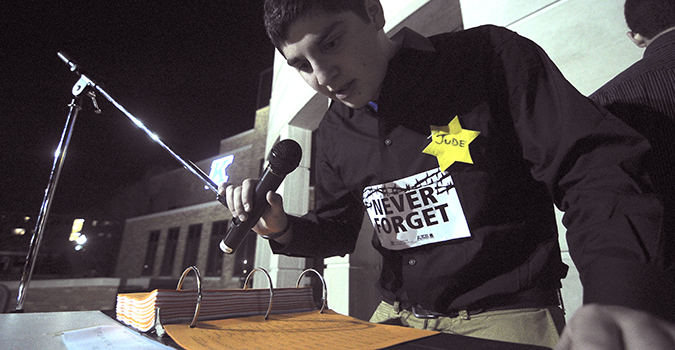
(638, 39)
(375, 12)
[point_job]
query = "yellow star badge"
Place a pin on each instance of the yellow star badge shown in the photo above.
(450, 143)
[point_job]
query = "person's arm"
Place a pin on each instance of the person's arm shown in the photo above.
(333, 227)
(330, 230)
(593, 165)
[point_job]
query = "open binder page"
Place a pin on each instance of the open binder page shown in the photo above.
(306, 330)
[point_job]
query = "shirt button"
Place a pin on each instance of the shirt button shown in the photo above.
(387, 142)
(412, 262)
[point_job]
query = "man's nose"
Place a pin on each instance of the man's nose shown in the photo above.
(325, 74)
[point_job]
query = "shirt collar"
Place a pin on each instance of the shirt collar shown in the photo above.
(664, 41)
(410, 42)
(410, 39)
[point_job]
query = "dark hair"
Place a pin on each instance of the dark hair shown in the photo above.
(280, 14)
(649, 17)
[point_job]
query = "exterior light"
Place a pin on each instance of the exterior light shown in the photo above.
(81, 240)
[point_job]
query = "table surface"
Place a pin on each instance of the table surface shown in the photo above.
(43, 331)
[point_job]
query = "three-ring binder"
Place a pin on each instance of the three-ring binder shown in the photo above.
(269, 279)
(159, 329)
(324, 295)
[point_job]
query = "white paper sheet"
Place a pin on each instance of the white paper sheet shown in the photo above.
(109, 338)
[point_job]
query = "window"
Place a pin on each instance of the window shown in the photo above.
(150, 253)
(170, 252)
(192, 245)
(214, 264)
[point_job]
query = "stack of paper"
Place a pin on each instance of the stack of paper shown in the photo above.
(138, 310)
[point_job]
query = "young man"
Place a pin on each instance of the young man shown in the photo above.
(643, 96)
(457, 146)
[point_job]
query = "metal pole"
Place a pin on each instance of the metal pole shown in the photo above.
(85, 83)
(185, 162)
(38, 232)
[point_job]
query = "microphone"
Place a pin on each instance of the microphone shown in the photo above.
(283, 158)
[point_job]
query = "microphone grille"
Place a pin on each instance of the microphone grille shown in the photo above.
(285, 157)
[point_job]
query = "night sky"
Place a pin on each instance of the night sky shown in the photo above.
(188, 69)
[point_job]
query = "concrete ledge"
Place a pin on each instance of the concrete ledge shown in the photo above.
(71, 282)
(66, 294)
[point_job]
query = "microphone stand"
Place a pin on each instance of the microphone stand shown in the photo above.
(86, 81)
(59, 157)
(85, 84)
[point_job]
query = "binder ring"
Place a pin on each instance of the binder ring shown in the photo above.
(269, 279)
(199, 291)
(324, 298)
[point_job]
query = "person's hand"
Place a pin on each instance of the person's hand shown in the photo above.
(239, 201)
(606, 327)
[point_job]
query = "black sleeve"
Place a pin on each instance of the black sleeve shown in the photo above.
(332, 228)
(593, 165)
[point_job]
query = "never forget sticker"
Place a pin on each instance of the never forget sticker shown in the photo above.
(417, 210)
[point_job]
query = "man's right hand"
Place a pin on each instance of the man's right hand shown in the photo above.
(239, 201)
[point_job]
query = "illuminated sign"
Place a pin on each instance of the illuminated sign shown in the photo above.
(219, 169)
(77, 229)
